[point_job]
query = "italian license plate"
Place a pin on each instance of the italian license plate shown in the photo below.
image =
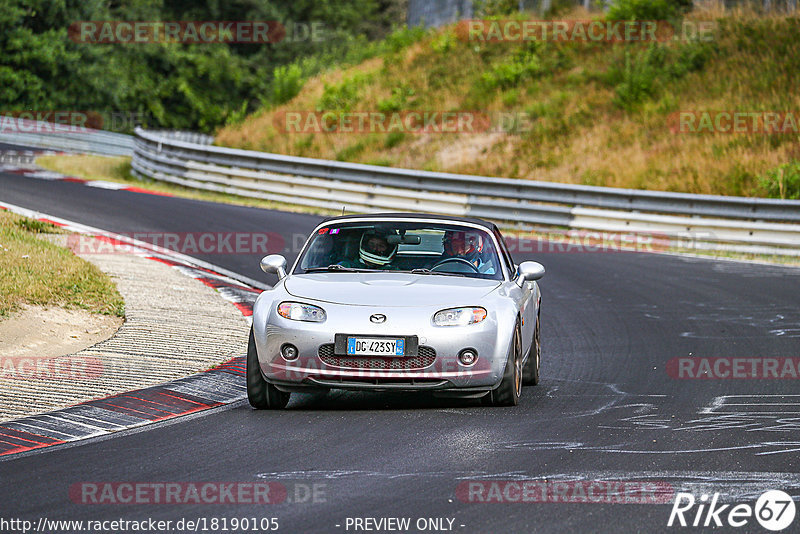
(368, 346)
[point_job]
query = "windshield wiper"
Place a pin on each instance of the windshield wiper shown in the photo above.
(421, 270)
(335, 267)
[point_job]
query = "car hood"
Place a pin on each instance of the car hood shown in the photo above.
(390, 289)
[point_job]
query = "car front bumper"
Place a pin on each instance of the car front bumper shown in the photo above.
(436, 366)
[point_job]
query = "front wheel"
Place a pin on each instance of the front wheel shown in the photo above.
(261, 394)
(509, 390)
(530, 373)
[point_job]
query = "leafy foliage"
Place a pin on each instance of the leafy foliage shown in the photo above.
(402, 96)
(637, 74)
(287, 80)
(522, 65)
(173, 85)
(648, 9)
(489, 8)
(342, 96)
(783, 181)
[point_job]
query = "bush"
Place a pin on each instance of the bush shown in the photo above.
(782, 182)
(648, 9)
(444, 43)
(398, 101)
(635, 74)
(510, 73)
(287, 81)
(635, 79)
(492, 8)
(394, 139)
(351, 152)
(403, 37)
(342, 96)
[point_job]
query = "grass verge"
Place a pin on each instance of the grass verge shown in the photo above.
(34, 271)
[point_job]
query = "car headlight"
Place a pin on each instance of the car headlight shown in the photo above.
(301, 312)
(459, 316)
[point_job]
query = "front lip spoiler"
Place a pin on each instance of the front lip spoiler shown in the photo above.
(440, 388)
(321, 384)
(378, 385)
(342, 374)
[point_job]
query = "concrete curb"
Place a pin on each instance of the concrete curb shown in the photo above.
(166, 337)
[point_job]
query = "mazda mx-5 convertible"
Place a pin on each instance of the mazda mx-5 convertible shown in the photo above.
(397, 302)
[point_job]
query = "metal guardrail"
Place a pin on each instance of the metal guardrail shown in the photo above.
(69, 139)
(186, 137)
(514, 202)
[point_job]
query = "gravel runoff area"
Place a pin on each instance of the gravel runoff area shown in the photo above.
(174, 326)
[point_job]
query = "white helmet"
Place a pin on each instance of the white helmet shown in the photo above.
(375, 248)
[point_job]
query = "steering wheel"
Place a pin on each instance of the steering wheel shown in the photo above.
(455, 260)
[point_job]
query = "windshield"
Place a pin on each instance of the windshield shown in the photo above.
(420, 248)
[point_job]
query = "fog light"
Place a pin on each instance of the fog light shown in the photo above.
(468, 357)
(289, 352)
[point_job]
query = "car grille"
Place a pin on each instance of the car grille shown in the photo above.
(424, 358)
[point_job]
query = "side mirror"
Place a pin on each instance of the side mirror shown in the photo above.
(274, 264)
(528, 271)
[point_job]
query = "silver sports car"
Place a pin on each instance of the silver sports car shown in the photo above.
(397, 302)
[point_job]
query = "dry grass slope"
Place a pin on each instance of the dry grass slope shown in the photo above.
(601, 114)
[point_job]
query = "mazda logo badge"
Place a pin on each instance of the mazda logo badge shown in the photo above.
(378, 318)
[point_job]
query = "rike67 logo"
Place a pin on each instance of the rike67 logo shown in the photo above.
(774, 510)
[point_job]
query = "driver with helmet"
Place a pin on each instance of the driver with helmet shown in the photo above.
(467, 246)
(374, 252)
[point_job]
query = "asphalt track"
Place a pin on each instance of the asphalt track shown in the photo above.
(606, 408)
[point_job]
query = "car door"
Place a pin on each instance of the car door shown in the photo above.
(528, 298)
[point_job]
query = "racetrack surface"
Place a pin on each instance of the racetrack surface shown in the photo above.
(606, 408)
(18, 148)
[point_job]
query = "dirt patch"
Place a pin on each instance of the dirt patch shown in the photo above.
(37, 331)
(467, 151)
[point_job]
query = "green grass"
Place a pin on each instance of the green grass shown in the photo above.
(36, 272)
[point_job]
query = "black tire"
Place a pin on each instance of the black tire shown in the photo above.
(508, 392)
(261, 394)
(530, 373)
